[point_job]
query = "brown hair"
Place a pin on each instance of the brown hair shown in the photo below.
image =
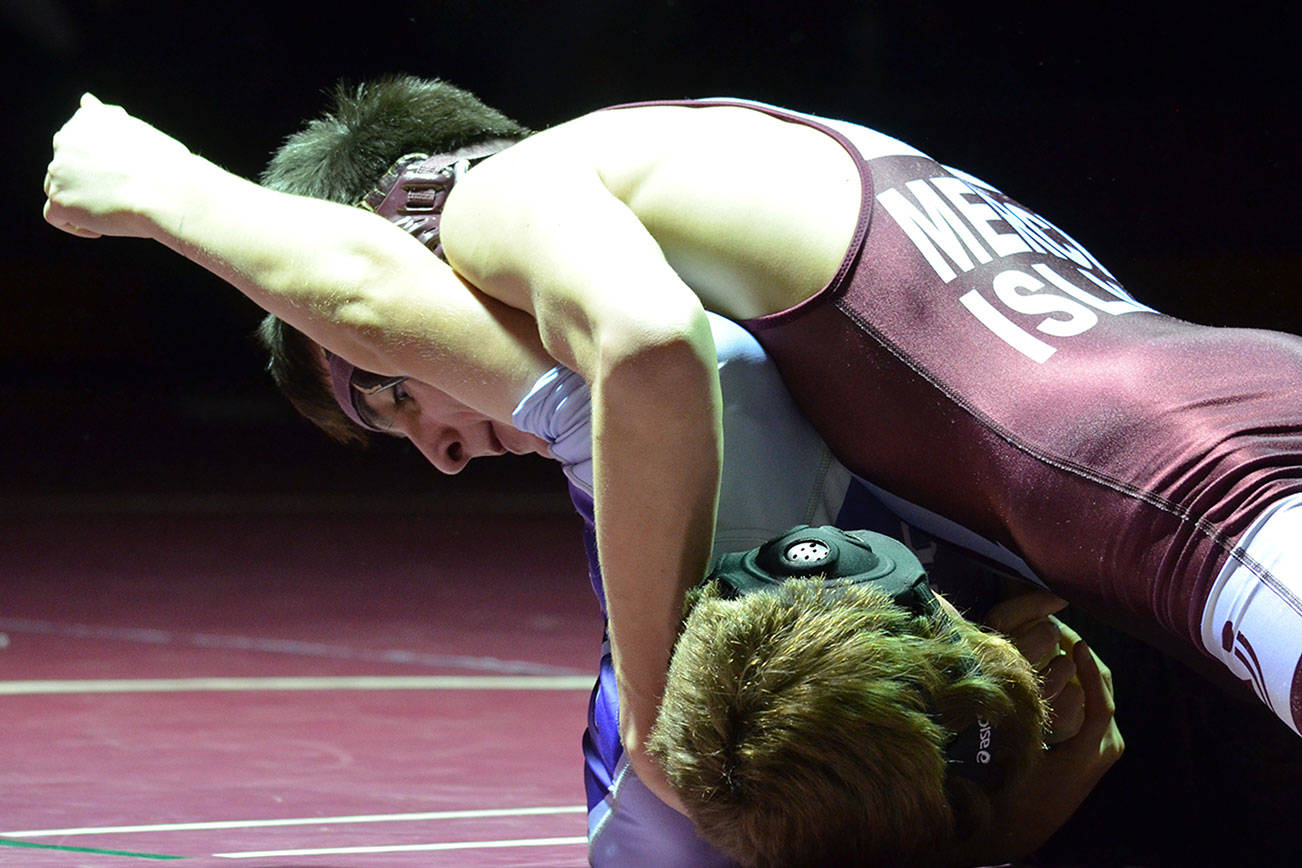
(808, 726)
(296, 364)
(340, 157)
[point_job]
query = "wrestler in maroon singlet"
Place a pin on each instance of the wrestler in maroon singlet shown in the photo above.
(972, 358)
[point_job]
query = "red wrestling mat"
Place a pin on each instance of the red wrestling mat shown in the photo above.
(293, 689)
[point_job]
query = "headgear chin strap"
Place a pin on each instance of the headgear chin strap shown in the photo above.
(411, 195)
(857, 557)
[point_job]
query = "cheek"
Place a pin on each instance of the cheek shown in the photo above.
(440, 411)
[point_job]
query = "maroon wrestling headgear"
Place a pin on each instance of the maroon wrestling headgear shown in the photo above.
(411, 194)
(351, 385)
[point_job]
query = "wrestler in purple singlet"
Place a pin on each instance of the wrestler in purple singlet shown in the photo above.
(758, 498)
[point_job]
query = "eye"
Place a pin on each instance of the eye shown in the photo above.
(383, 403)
(400, 394)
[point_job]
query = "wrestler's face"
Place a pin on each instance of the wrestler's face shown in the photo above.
(447, 432)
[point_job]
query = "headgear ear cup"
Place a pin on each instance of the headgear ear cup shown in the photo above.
(970, 752)
(851, 558)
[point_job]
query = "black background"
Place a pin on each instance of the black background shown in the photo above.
(1165, 142)
(1164, 138)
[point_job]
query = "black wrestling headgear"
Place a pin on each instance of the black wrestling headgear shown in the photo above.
(848, 557)
(857, 557)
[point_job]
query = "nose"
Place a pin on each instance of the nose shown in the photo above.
(442, 446)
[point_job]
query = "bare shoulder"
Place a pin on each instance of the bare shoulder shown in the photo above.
(715, 187)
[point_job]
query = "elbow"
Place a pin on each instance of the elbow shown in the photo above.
(668, 356)
(669, 374)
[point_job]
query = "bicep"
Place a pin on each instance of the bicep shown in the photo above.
(572, 255)
(406, 312)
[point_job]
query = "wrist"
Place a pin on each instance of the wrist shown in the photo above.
(173, 195)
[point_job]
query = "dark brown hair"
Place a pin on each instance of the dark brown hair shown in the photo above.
(340, 157)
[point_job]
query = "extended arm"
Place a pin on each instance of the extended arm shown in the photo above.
(348, 279)
(605, 301)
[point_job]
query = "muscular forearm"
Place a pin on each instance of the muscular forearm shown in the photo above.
(655, 519)
(113, 174)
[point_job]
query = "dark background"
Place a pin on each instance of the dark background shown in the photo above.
(1165, 141)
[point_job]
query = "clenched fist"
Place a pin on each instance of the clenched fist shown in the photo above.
(109, 172)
